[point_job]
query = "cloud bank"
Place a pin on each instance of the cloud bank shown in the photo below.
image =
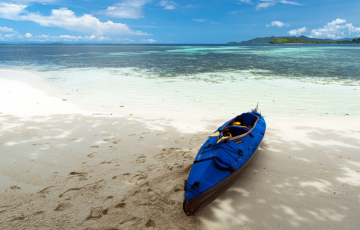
(61, 38)
(65, 18)
(335, 30)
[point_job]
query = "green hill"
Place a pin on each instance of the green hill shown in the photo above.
(301, 41)
(266, 40)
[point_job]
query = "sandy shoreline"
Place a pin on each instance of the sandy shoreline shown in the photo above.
(63, 167)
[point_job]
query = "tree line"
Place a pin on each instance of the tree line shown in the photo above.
(300, 41)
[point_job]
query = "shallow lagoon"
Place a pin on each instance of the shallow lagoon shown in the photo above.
(286, 80)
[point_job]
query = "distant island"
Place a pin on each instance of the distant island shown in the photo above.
(297, 40)
(300, 41)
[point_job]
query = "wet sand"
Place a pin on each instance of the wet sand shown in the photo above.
(64, 167)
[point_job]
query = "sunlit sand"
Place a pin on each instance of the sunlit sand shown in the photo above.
(115, 156)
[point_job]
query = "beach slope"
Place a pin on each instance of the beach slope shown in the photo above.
(64, 167)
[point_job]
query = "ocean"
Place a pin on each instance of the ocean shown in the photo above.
(286, 80)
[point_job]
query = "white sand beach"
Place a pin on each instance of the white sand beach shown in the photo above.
(69, 164)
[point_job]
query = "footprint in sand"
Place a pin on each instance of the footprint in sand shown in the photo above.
(151, 167)
(120, 176)
(95, 213)
(140, 159)
(116, 142)
(80, 175)
(120, 205)
(46, 190)
(91, 155)
(15, 187)
(94, 146)
(152, 195)
(75, 139)
(141, 139)
(150, 224)
(109, 139)
(94, 187)
(139, 178)
(131, 135)
(174, 166)
(128, 219)
(112, 148)
(41, 144)
(62, 206)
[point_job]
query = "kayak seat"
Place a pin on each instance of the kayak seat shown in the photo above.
(247, 118)
(237, 130)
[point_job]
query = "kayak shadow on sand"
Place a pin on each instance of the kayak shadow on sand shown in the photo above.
(301, 177)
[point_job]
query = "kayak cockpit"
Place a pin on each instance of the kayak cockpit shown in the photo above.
(238, 127)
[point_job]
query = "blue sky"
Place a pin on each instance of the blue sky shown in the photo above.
(180, 22)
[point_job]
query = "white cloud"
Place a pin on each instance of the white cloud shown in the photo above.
(277, 23)
(11, 11)
(9, 35)
(148, 40)
(297, 32)
(335, 30)
(125, 9)
(199, 20)
(66, 19)
(246, 1)
(66, 38)
(168, 5)
(28, 35)
(267, 3)
(5, 29)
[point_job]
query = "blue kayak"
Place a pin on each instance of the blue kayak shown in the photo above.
(222, 158)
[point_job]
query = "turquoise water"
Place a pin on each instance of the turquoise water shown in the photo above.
(204, 81)
(336, 62)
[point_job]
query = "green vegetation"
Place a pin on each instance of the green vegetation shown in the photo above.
(357, 41)
(300, 41)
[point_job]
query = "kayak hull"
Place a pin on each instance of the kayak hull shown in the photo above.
(222, 159)
(205, 198)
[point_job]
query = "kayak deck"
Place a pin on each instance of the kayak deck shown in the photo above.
(222, 158)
